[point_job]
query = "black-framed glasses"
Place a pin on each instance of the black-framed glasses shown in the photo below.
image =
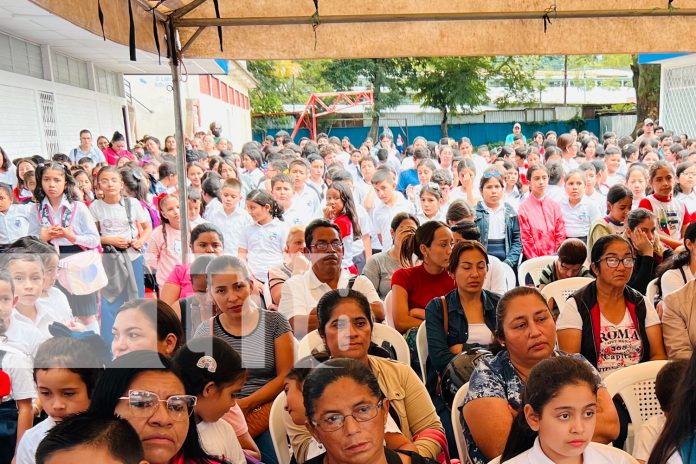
(322, 246)
(613, 262)
(362, 413)
(144, 403)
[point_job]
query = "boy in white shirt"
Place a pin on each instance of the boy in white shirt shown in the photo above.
(293, 213)
(231, 219)
(612, 160)
(392, 202)
(306, 197)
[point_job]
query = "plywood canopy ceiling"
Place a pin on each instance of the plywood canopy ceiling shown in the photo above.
(279, 29)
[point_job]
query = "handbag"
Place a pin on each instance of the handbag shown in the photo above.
(258, 418)
(82, 273)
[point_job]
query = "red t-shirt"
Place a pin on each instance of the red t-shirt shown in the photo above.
(422, 286)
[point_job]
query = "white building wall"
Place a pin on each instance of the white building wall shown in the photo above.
(153, 104)
(22, 130)
(678, 95)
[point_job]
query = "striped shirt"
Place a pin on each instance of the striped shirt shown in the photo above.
(257, 349)
(548, 274)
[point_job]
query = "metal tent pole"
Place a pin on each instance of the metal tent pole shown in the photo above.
(179, 136)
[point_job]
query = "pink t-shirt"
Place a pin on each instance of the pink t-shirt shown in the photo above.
(112, 157)
(163, 255)
(181, 276)
(235, 417)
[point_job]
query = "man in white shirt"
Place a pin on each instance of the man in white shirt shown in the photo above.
(300, 294)
(391, 203)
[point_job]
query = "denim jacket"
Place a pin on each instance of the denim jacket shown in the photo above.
(513, 241)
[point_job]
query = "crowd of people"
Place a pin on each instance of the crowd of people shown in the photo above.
(118, 344)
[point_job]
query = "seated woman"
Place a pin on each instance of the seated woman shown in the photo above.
(381, 266)
(678, 325)
(527, 334)
(414, 287)
(641, 233)
(462, 319)
(198, 307)
(677, 442)
(294, 262)
(263, 339)
(681, 268)
(206, 239)
(559, 416)
(146, 389)
(146, 325)
(342, 388)
(609, 323)
(497, 220)
(345, 326)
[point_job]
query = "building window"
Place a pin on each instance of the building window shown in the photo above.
(19, 56)
(70, 71)
(108, 82)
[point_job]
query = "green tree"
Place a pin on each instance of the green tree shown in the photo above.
(515, 74)
(387, 77)
(451, 85)
(646, 82)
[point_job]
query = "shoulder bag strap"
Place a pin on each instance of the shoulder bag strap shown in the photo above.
(445, 314)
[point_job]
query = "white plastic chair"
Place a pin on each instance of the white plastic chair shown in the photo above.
(277, 429)
(560, 290)
(457, 403)
(533, 267)
(651, 291)
(389, 310)
(510, 282)
(422, 348)
(636, 386)
(380, 333)
(267, 298)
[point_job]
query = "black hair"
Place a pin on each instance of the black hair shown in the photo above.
(330, 372)
(667, 379)
(111, 432)
(461, 247)
(254, 155)
(458, 210)
(136, 182)
(115, 381)
(637, 216)
(318, 224)
(401, 217)
(263, 198)
(166, 169)
(680, 170)
(505, 302)
(572, 251)
(467, 229)
(681, 421)
(349, 208)
(7, 188)
(328, 302)
(208, 359)
(617, 193)
(211, 185)
(70, 183)
(204, 228)
(600, 247)
(424, 235)
(5, 161)
(163, 220)
(161, 315)
(72, 354)
(224, 263)
(544, 383)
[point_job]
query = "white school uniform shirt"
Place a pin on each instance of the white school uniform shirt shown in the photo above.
(689, 200)
(439, 216)
(14, 223)
(56, 301)
(82, 222)
(220, 440)
(459, 194)
(496, 221)
(383, 215)
(44, 317)
(299, 214)
(302, 292)
(647, 436)
(264, 245)
(24, 337)
(10, 176)
(365, 228)
(615, 179)
(308, 199)
(26, 451)
(231, 225)
(673, 279)
(554, 192)
(580, 217)
(113, 219)
(495, 277)
(595, 453)
(19, 367)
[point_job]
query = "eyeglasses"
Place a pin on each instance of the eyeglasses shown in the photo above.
(144, 403)
(336, 245)
(362, 413)
(614, 262)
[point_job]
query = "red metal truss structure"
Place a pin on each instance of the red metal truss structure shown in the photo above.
(323, 104)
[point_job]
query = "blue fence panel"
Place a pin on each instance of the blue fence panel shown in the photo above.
(479, 133)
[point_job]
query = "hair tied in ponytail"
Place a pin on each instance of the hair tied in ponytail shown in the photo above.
(208, 363)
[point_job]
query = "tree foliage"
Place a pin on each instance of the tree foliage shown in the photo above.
(646, 81)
